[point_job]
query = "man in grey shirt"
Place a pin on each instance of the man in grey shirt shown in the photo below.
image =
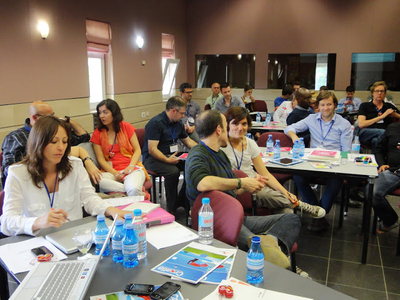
(216, 94)
(228, 101)
(192, 111)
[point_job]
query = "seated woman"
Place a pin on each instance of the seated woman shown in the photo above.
(283, 110)
(118, 151)
(247, 98)
(47, 187)
(242, 151)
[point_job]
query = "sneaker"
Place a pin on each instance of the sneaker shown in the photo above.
(317, 225)
(272, 251)
(302, 273)
(314, 211)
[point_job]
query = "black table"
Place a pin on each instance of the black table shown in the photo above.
(112, 277)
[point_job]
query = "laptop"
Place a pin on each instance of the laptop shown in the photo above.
(67, 280)
(63, 239)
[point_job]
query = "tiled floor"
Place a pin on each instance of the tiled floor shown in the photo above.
(333, 257)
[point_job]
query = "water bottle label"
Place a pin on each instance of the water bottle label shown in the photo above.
(129, 249)
(355, 147)
(140, 235)
(255, 264)
(100, 238)
(116, 245)
(206, 221)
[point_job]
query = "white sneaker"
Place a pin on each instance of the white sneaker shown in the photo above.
(302, 273)
(314, 211)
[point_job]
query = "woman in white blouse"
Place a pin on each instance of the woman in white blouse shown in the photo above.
(283, 110)
(48, 188)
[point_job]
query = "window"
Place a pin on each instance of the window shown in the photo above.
(98, 36)
(367, 68)
(237, 69)
(169, 63)
(312, 70)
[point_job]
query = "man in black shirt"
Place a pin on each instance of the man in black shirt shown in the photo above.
(374, 117)
(388, 158)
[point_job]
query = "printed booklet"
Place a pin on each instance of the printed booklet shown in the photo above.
(194, 262)
(123, 296)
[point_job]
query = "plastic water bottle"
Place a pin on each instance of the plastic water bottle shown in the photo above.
(100, 234)
(206, 222)
(140, 232)
(255, 262)
(258, 117)
(128, 220)
(116, 242)
(268, 120)
(130, 248)
(296, 149)
(302, 146)
(277, 149)
(355, 147)
(350, 108)
(270, 145)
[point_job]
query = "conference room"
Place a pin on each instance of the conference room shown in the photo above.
(139, 52)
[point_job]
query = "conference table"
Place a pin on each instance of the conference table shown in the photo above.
(349, 172)
(112, 277)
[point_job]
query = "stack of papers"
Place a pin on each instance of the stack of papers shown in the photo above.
(144, 206)
(324, 155)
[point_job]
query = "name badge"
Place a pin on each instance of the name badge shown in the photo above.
(173, 148)
(191, 120)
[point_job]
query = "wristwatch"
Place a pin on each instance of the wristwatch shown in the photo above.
(86, 158)
(67, 119)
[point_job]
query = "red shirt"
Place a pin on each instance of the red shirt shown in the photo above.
(119, 162)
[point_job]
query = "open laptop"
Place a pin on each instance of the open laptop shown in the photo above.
(67, 280)
(63, 239)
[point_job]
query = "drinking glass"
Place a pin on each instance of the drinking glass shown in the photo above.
(83, 239)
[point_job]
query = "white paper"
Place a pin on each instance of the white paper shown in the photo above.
(242, 290)
(124, 200)
(19, 258)
(167, 235)
(146, 208)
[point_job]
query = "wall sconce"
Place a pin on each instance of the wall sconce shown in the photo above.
(43, 29)
(239, 56)
(140, 42)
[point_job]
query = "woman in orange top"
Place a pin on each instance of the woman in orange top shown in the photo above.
(118, 151)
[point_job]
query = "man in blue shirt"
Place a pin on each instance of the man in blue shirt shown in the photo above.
(287, 92)
(161, 145)
(328, 131)
(228, 101)
(192, 111)
(350, 99)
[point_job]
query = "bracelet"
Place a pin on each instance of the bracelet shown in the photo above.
(132, 166)
(67, 119)
(86, 158)
(239, 184)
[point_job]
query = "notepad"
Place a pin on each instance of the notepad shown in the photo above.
(145, 207)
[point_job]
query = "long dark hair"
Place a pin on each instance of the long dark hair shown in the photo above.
(41, 135)
(112, 106)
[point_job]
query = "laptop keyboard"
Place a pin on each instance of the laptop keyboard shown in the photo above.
(60, 281)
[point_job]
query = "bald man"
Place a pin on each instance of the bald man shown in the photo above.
(216, 94)
(14, 144)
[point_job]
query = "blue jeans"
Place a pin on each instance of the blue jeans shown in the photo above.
(385, 184)
(285, 227)
(370, 137)
(333, 187)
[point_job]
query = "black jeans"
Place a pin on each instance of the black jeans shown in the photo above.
(171, 175)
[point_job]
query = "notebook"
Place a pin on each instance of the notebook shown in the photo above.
(60, 280)
(63, 239)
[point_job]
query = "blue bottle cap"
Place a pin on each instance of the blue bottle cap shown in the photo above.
(101, 217)
(119, 222)
(137, 212)
(255, 239)
(128, 216)
(129, 226)
(205, 200)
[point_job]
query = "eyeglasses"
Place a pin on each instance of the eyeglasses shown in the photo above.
(379, 91)
(182, 113)
(191, 92)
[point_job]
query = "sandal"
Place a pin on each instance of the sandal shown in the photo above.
(382, 230)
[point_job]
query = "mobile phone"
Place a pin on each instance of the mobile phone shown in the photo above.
(139, 289)
(165, 291)
(41, 251)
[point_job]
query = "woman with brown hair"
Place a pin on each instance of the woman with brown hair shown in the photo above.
(47, 187)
